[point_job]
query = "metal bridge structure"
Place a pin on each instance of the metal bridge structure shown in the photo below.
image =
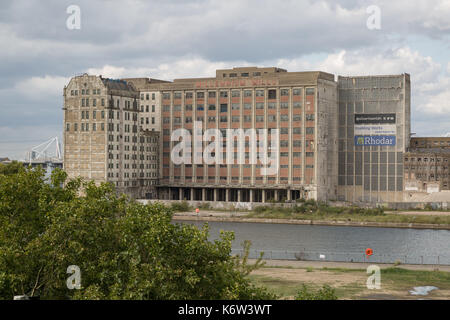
(47, 154)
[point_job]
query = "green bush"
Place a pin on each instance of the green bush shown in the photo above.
(324, 293)
(180, 206)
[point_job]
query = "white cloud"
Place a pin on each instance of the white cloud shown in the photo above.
(42, 87)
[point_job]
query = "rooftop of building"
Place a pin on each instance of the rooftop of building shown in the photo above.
(117, 84)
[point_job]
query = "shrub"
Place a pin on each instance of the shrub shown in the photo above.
(324, 293)
(180, 206)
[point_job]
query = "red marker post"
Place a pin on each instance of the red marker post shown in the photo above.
(369, 252)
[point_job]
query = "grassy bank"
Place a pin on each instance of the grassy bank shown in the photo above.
(311, 210)
(351, 283)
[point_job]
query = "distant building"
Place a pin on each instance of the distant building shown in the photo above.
(103, 138)
(342, 139)
(4, 160)
(427, 165)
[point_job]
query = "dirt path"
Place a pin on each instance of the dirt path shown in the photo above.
(286, 278)
(420, 213)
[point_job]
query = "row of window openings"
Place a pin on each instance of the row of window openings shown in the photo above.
(426, 159)
(284, 130)
(234, 106)
(233, 166)
(127, 115)
(147, 108)
(224, 178)
(247, 154)
(271, 93)
(433, 176)
(85, 127)
(258, 118)
(133, 166)
(283, 143)
(134, 148)
(84, 92)
(147, 96)
(431, 168)
(134, 175)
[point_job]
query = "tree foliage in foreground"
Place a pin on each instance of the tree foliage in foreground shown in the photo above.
(125, 250)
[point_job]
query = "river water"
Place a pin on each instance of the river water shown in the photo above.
(338, 243)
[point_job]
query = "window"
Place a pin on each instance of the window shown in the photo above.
(223, 94)
(247, 93)
(153, 96)
(309, 117)
(68, 127)
(284, 92)
(296, 130)
(200, 95)
(272, 105)
(247, 118)
(272, 94)
(212, 107)
(176, 95)
(247, 106)
(211, 94)
(235, 93)
(211, 119)
(223, 119)
(284, 117)
(284, 130)
(189, 95)
(256, 74)
(166, 95)
(260, 105)
(260, 93)
(310, 91)
(297, 117)
(259, 118)
(297, 104)
(223, 107)
(245, 74)
(147, 96)
(284, 105)
(235, 106)
(272, 118)
(297, 92)
(188, 107)
(235, 119)
(200, 107)
(310, 130)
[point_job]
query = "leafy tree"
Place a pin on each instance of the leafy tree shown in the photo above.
(125, 250)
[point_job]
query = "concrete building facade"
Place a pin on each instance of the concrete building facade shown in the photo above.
(341, 139)
(302, 105)
(103, 140)
(374, 134)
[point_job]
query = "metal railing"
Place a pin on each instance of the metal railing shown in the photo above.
(345, 257)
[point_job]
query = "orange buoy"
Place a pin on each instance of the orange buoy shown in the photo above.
(369, 252)
(197, 210)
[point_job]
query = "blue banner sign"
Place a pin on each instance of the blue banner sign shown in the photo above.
(375, 140)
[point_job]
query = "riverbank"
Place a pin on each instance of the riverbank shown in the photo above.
(349, 279)
(246, 217)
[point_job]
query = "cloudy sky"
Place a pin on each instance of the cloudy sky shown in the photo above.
(169, 39)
